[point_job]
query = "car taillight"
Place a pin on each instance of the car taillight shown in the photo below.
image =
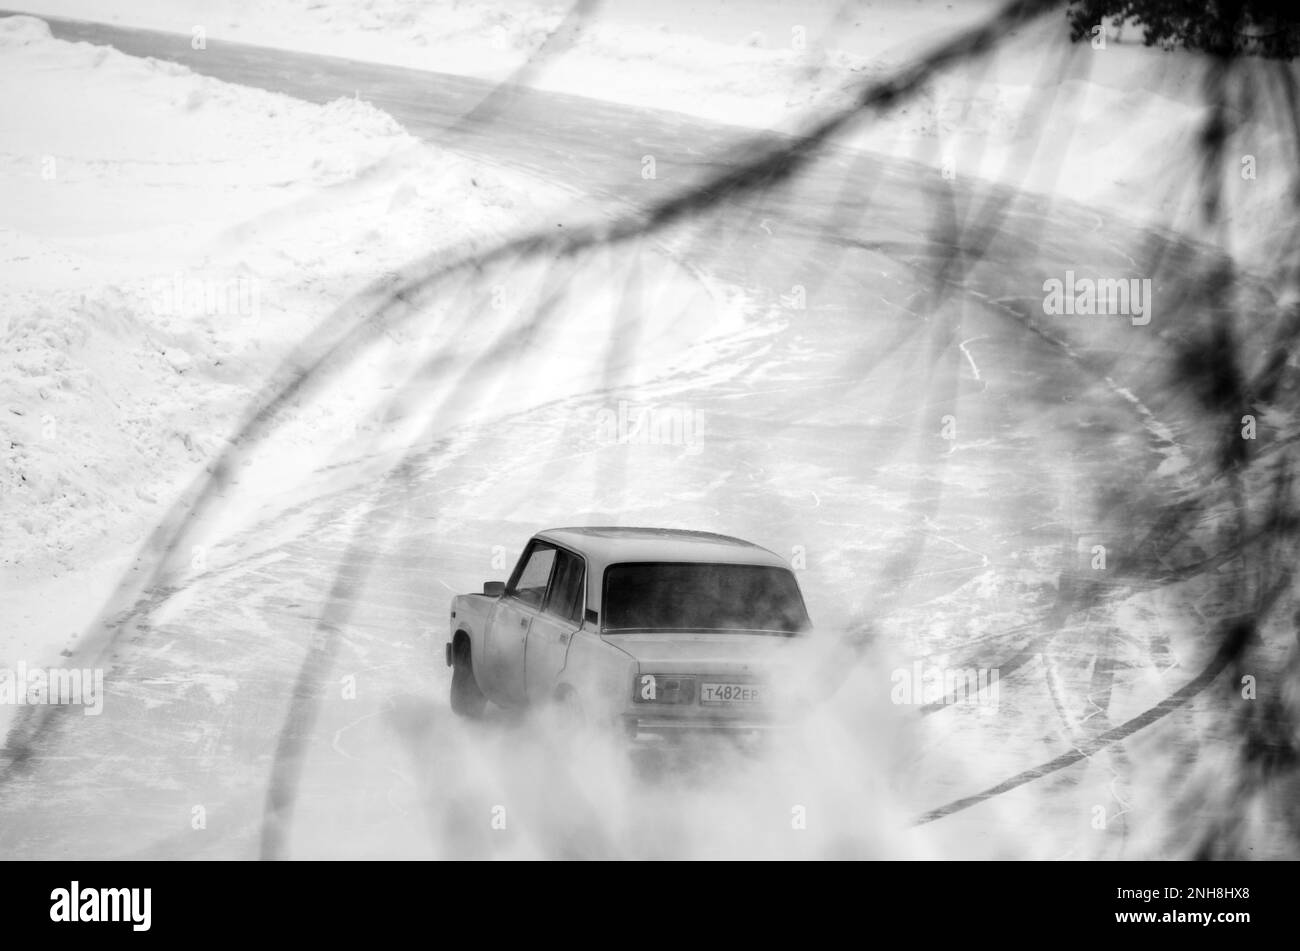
(663, 688)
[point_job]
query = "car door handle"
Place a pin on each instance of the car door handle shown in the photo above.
(523, 622)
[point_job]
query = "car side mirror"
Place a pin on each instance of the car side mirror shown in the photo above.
(494, 589)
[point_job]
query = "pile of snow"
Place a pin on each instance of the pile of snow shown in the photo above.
(166, 242)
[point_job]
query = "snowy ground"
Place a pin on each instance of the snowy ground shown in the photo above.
(161, 260)
(1113, 127)
(189, 235)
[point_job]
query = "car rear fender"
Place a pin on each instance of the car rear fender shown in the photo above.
(470, 614)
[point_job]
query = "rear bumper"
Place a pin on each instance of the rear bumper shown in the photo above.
(635, 726)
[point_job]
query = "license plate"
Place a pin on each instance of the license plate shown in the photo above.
(730, 693)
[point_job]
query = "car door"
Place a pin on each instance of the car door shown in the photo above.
(507, 634)
(554, 626)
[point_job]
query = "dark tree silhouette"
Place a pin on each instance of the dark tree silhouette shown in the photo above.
(1269, 28)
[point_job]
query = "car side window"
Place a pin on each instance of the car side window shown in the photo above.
(530, 586)
(566, 598)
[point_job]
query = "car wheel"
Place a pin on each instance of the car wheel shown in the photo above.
(467, 699)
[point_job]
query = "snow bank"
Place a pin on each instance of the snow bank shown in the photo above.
(751, 63)
(1114, 128)
(165, 244)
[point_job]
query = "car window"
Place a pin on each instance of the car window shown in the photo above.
(702, 597)
(566, 599)
(530, 587)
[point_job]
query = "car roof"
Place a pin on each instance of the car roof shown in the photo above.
(607, 545)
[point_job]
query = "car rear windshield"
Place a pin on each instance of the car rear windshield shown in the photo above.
(673, 596)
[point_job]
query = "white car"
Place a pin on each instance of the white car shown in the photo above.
(650, 630)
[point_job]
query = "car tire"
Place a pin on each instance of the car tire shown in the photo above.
(467, 699)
